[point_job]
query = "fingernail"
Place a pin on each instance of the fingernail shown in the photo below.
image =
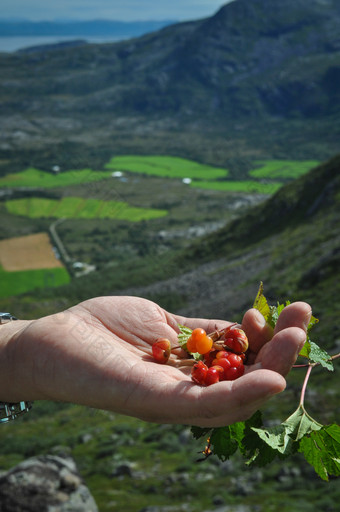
(261, 321)
(307, 320)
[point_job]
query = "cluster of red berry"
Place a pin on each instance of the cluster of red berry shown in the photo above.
(221, 354)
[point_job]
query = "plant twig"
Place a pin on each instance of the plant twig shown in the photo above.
(336, 356)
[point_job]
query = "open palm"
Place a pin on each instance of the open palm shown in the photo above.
(98, 354)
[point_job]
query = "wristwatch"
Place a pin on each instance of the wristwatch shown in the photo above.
(8, 410)
(6, 317)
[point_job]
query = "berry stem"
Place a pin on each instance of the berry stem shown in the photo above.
(336, 356)
(177, 363)
(304, 386)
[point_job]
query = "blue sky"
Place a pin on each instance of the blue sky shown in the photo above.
(125, 10)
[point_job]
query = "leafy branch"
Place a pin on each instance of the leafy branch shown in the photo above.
(319, 444)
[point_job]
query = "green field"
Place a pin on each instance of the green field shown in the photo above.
(282, 169)
(21, 281)
(246, 186)
(32, 177)
(79, 208)
(166, 167)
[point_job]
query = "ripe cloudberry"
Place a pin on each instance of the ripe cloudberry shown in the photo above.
(213, 375)
(161, 350)
(199, 373)
(236, 340)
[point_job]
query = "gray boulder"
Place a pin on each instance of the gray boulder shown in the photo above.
(47, 483)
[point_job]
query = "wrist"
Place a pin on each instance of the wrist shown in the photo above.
(12, 390)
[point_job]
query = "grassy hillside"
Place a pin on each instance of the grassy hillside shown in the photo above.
(292, 243)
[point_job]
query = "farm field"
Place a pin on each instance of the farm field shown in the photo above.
(246, 186)
(79, 208)
(28, 253)
(144, 196)
(21, 281)
(282, 169)
(28, 262)
(203, 176)
(166, 167)
(36, 178)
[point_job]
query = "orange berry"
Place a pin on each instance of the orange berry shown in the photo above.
(204, 345)
(198, 334)
(191, 345)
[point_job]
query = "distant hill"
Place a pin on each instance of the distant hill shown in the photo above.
(79, 28)
(264, 74)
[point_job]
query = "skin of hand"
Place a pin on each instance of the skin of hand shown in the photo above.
(98, 354)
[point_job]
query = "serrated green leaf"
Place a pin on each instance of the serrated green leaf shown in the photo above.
(301, 423)
(183, 335)
(312, 322)
(199, 432)
(322, 450)
(284, 437)
(319, 355)
(277, 437)
(261, 303)
(304, 352)
(222, 442)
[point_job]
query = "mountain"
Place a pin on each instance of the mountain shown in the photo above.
(11, 28)
(263, 74)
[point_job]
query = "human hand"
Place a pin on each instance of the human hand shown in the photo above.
(98, 354)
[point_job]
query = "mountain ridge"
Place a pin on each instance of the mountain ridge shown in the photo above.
(252, 66)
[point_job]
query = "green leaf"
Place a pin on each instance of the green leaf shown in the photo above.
(222, 443)
(261, 303)
(322, 450)
(277, 437)
(318, 355)
(301, 423)
(312, 322)
(304, 352)
(199, 432)
(183, 335)
(315, 354)
(284, 437)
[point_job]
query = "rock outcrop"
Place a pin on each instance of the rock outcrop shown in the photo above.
(47, 483)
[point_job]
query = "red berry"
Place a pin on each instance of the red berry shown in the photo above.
(235, 360)
(233, 373)
(224, 364)
(161, 350)
(235, 339)
(213, 375)
(223, 354)
(199, 373)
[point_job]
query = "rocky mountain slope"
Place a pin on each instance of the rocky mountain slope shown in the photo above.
(255, 65)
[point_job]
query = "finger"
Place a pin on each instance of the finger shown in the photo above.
(297, 314)
(256, 329)
(228, 402)
(281, 352)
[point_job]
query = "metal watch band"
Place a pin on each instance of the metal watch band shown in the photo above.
(6, 317)
(10, 411)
